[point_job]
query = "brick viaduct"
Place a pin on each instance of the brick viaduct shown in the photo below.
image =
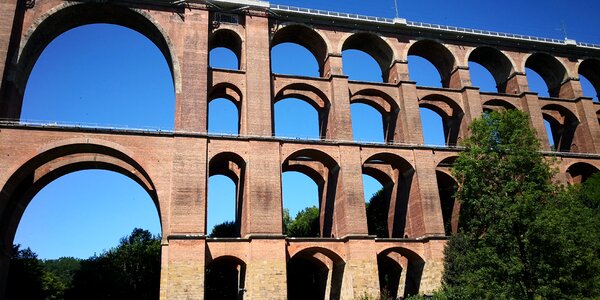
(174, 167)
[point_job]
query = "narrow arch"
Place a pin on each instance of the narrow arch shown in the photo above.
(590, 69)
(400, 272)
(564, 127)
(223, 116)
(497, 105)
(450, 112)
(396, 176)
(68, 16)
(305, 37)
(578, 173)
(324, 171)
(228, 39)
(496, 63)
(233, 166)
(550, 69)
(375, 47)
(386, 106)
(225, 278)
(308, 94)
(315, 273)
(447, 186)
(436, 53)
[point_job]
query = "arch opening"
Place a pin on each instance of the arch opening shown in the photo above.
(72, 82)
(550, 70)
(357, 45)
(436, 54)
(365, 127)
(299, 50)
(225, 279)
(579, 172)
(396, 176)
(300, 196)
(232, 167)
(315, 274)
(451, 116)
(323, 170)
(447, 187)
(72, 16)
(289, 112)
(495, 63)
(497, 105)
(225, 50)
(563, 128)
(400, 273)
(589, 74)
(223, 117)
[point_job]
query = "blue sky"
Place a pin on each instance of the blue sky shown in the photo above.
(110, 75)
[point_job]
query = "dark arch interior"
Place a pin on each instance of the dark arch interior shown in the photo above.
(580, 172)
(451, 114)
(496, 63)
(388, 209)
(497, 105)
(234, 167)
(225, 279)
(550, 69)
(590, 69)
(447, 188)
(563, 125)
(308, 273)
(395, 265)
(438, 55)
(375, 47)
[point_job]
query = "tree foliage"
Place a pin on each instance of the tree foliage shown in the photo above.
(520, 236)
(306, 223)
(377, 214)
(225, 229)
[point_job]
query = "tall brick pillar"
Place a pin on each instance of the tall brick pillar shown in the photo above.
(425, 212)
(10, 16)
(360, 274)
(409, 117)
(266, 264)
(517, 84)
(471, 98)
(588, 131)
(339, 123)
(191, 102)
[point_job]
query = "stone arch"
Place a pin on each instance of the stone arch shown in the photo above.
(56, 161)
(579, 172)
(400, 272)
(324, 171)
(447, 186)
(590, 69)
(230, 39)
(439, 55)
(230, 92)
(397, 176)
(315, 273)
(496, 62)
(550, 69)
(233, 166)
(451, 113)
(566, 132)
(225, 278)
(385, 105)
(311, 95)
(497, 105)
(70, 15)
(304, 36)
(375, 46)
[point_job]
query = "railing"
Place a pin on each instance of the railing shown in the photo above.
(402, 22)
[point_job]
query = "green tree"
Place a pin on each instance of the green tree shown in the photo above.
(129, 271)
(25, 275)
(306, 223)
(225, 229)
(377, 213)
(520, 237)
